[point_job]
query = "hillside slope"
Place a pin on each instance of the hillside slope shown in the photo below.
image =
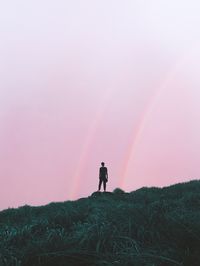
(147, 227)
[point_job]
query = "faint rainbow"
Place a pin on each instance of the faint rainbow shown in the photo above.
(136, 134)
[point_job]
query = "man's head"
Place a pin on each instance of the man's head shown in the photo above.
(102, 163)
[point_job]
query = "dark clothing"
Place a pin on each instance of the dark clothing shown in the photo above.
(103, 177)
(104, 184)
(103, 172)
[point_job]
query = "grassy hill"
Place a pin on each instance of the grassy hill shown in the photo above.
(147, 227)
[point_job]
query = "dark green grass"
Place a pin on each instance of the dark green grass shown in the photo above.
(147, 227)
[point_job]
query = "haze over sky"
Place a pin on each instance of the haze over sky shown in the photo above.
(97, 80)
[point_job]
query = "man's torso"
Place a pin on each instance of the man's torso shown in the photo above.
(103, 172)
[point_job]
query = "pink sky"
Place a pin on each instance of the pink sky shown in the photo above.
(90, 81)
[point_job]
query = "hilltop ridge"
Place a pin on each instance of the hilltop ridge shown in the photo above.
(149, 226)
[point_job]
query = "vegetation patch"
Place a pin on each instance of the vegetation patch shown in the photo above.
(147, 227)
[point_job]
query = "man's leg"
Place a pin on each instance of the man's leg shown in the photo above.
(104, 185)
(100, 182)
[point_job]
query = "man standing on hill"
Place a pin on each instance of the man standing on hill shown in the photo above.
(103, 176)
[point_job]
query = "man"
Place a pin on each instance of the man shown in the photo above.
(103, 176)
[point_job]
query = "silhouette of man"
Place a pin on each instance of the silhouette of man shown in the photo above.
(103, 176)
